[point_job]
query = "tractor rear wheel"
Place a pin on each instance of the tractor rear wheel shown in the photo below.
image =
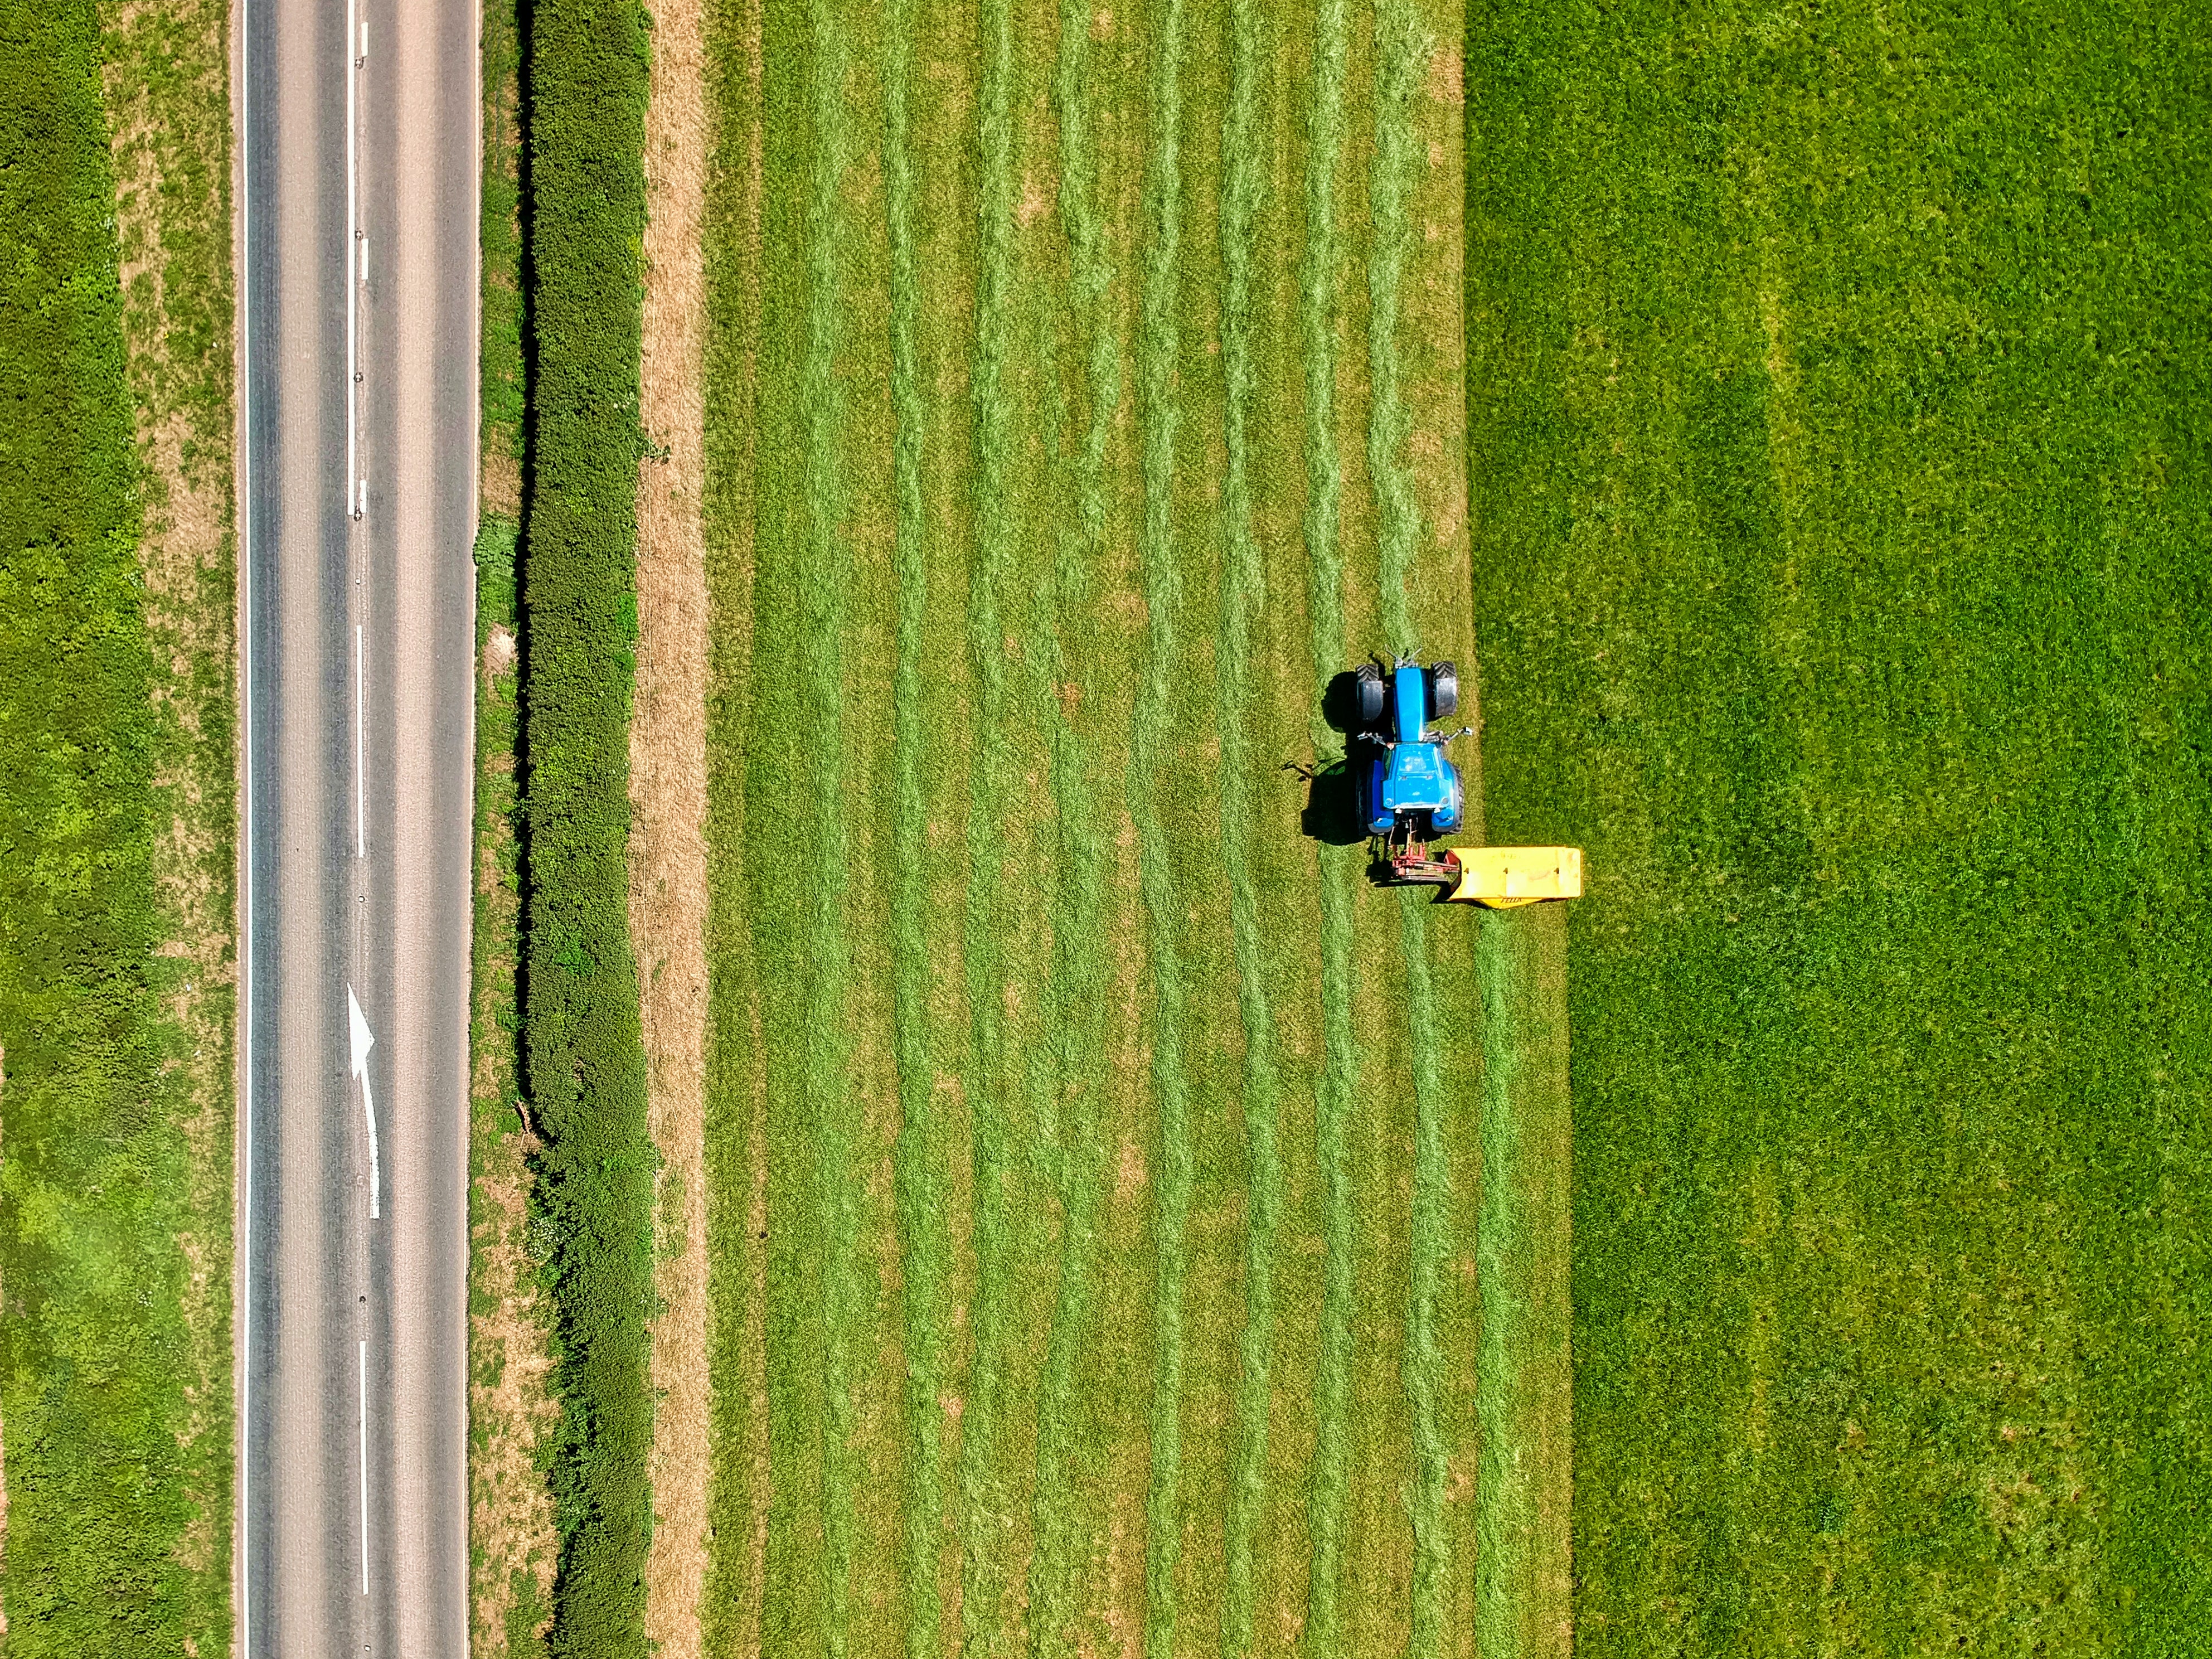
(1443, 691)
(1370, 681)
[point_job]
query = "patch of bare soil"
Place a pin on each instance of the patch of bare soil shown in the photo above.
(668, 786)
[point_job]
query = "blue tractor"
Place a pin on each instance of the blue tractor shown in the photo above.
(1409, 792)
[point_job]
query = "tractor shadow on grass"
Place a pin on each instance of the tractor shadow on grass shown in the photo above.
(1331, 814)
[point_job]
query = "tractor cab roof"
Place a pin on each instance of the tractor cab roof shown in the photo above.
(1418, 778)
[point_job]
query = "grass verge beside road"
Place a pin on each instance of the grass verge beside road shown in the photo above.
(514, 1542)
(167, 79)
(113, 1403)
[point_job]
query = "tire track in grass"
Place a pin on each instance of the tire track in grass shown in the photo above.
(1242, 595)
(1158, 342)
(985, 1574)
(1400, 53)
(1055, 1598)
(823, 584)
(1339, 1074)
(918, 1186)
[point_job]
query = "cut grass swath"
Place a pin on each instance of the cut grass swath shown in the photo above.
(1078, 970)
(1242, 595)
(918, 1157)
(823, 584)
(985, 1571)
(1339, 1075)
(1162, 578)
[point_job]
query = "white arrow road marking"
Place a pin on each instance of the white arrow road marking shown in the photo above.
(363, 1041)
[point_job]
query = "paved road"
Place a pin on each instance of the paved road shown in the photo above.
(359, 207)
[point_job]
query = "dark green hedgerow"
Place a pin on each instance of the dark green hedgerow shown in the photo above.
(93, 1341)
(585, 1061)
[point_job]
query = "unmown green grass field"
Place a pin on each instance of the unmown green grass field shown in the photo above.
(1093, 1156)
(1839, 393)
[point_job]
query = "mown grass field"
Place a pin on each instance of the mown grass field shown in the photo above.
(1092, 1157)
(1841, 514)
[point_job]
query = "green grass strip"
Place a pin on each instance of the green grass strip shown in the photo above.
(985, 1574)
(1158, 344)
(1243, 594)
(1504, 1498)
(918, 1178)
(1339, 1074)
(1401, 50)
(824, 578)
(1054, 1594)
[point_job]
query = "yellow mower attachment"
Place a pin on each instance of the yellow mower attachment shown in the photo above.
(1504, 877)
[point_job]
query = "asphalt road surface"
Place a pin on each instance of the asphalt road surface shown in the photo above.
(358, 204)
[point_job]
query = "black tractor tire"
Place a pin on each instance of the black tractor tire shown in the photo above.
(1371, 690)
(1443, 691)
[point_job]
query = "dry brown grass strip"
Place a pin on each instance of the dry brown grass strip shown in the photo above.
(668, 786)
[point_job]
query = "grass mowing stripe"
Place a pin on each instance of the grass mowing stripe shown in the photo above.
(984, 1571)
(1339, 1074)
(1243, 596)
(1158, 337)
(1503, 1517)
(925, 1249)
(1523, 1596)
(824, 581)
(1078, 969)
(1400, 52)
